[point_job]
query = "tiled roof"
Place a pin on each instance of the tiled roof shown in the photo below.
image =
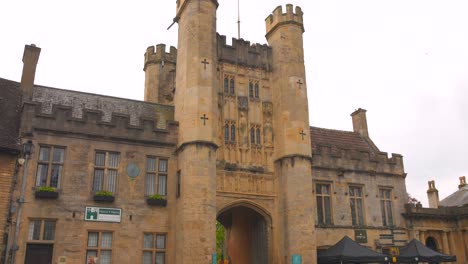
(458, 198)
(10, 103)
(340, 139)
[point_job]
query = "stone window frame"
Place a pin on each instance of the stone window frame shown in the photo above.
(99, 248)
(254, 89)
(229, 128)
(41, 233)
(386, 205)
(226, 85)
(323, 219)
(106, 168)
(50, 163)
(232, 86)
(226, 132)
(158, 174)
(255, 135)
(355, 219)
(154, 250)
(229, 85)
(178, 183)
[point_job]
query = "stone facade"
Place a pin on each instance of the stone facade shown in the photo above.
(442, 226)
(7, 173)
(232, 122)
(10, 108)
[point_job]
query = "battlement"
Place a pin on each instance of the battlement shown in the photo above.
(331, 157)
(243, 53)
(92, 124)
(278, 18)
(108, 106)
(160, 55)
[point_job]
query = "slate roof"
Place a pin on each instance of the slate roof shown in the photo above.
(340, 139)
(458, 198)
(10, 103)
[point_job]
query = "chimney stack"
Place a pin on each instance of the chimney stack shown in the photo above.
(462, 182)
(30, 59)
(433, 195)
(360, 122)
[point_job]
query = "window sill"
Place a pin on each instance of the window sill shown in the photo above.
(103, 199)
(46, 195)
(156, 202)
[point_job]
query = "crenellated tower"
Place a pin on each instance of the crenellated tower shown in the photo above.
(292, 137)
(197, 113)
(160, 74)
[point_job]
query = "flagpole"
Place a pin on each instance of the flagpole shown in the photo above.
(238, 19)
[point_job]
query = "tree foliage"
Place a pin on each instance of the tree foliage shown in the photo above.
(220, 238)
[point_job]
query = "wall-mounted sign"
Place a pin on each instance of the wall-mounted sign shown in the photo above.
(360, 236)
(296, 259)
(100, 214)
(133, 170)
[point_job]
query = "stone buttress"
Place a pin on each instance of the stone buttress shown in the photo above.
(292, 140)
(197, 113)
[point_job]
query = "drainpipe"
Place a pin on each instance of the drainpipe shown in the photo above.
(27, 151)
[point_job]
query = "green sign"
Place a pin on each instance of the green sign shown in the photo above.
(99, 214)
(296, 259)
(214, 258)
(360, 236)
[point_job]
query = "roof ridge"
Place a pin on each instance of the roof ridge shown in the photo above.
(337, 130)
(8, 80)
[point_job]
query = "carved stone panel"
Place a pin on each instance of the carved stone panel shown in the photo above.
(245, 183)
(243, 103)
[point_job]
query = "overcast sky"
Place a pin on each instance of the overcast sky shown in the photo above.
(405, 61)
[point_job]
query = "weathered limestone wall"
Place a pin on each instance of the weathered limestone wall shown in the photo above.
(7, 173)
(296, 226)
(446, 225)
(160, 74)
(196, 206)
(197, 113)
(342, 168)
(76, 193)
(82, 124)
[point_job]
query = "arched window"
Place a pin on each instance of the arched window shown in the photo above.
(258, 136)
(252, 135)
(226, 85)
(251, 94)
(232, 86)
(226, 132)
(256, 90)
(233, 133)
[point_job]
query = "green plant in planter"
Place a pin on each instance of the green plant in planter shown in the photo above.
(104, 193)
(155, 197)
(46, 189)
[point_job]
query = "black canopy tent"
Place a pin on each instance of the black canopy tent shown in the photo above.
(415, 252)
(349, 251)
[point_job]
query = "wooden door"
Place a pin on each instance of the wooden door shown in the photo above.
(39, 254)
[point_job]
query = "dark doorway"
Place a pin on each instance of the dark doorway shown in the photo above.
(246, 236)
(39, 254)
(431, 243)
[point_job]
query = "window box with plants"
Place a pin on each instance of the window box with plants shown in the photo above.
(156, 199)
(103, 196)
(46, 192)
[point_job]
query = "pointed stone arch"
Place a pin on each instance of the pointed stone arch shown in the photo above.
(248, 221)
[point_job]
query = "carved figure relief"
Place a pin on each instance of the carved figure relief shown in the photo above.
(268, 127)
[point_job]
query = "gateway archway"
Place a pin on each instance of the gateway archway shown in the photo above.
(247, 234)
